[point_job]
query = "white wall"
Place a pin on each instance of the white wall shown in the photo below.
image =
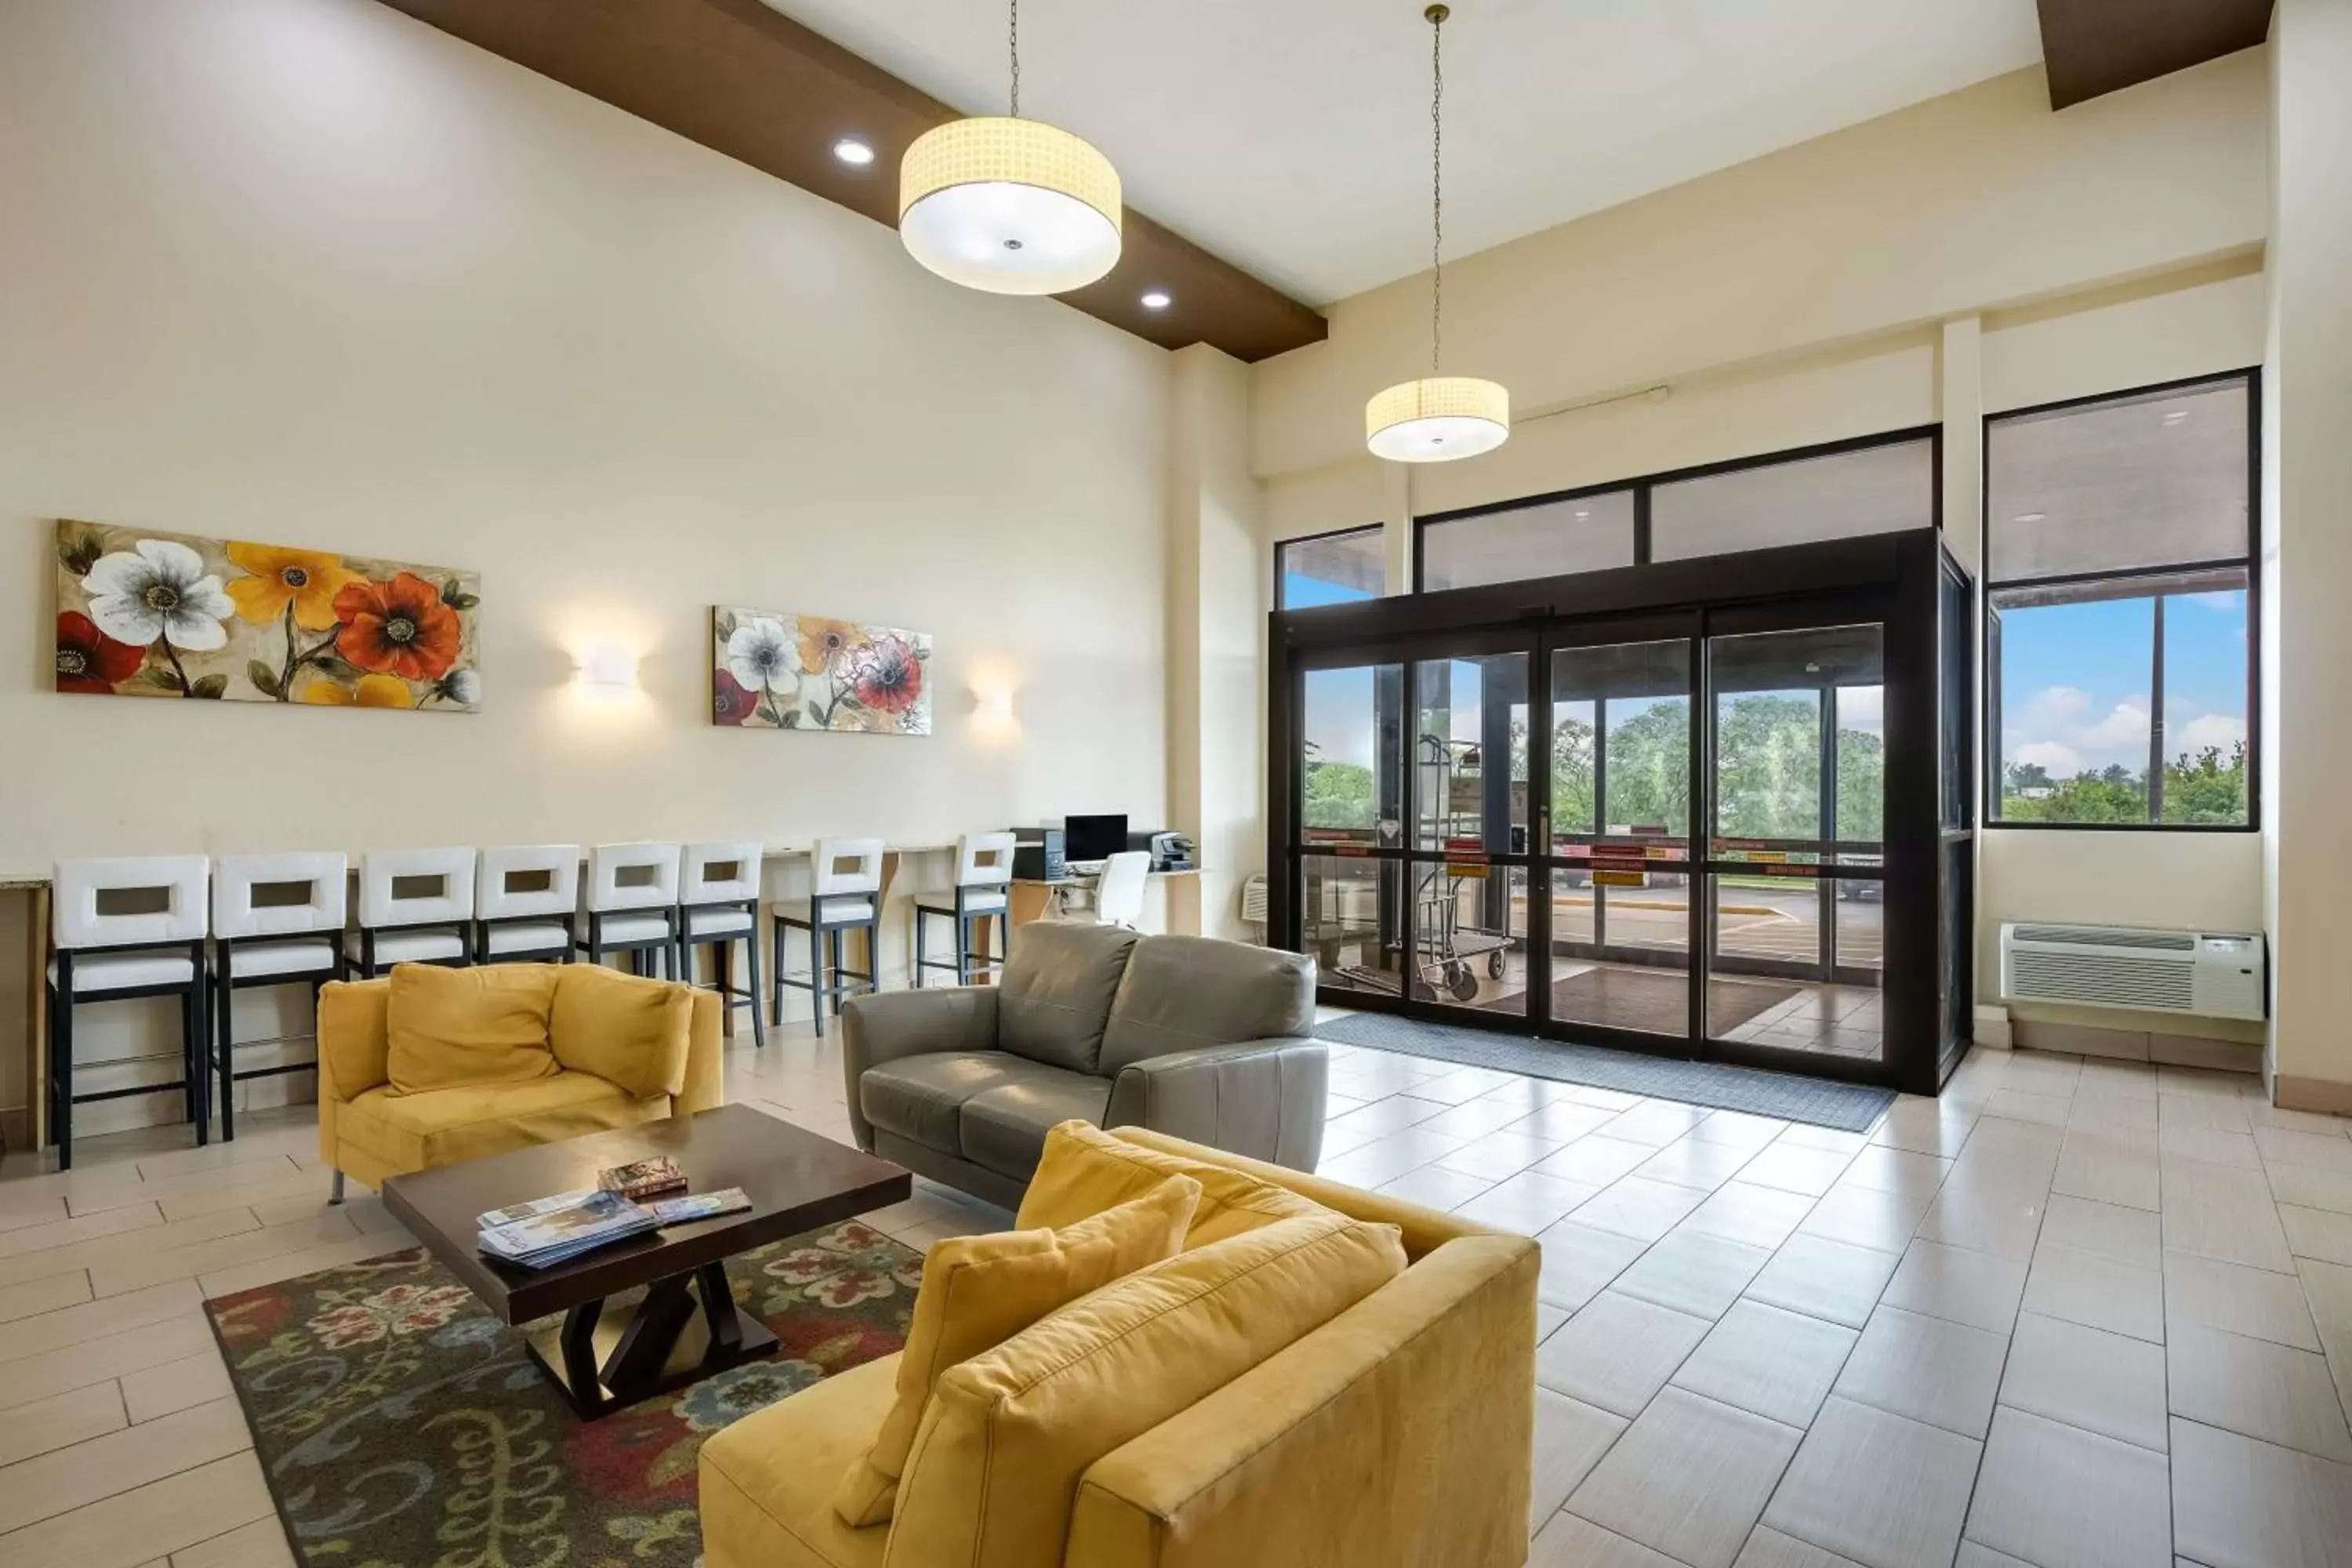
(307, 271)
(1965, 256)
(2310, 448)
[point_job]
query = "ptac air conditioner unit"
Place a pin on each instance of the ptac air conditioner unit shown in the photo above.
(2205, 974)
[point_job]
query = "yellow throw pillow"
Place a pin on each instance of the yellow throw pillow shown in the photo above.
(1010, 1433)
(1085, 1169)
(623, 1028)
(451, 1028)
(979, 1290)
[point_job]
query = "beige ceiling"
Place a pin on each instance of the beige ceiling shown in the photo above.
(1291, 137)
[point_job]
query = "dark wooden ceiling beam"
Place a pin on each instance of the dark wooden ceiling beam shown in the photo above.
(2094, 47)
(745, 80)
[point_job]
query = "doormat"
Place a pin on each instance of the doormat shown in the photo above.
(398, 1422)
(1654, 1001)
(1848, 1107)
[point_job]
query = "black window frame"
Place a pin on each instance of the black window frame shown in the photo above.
(1989, 643)
(1641, 485)
(1351, 529)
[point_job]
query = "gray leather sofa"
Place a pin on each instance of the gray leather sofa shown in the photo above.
(1205, 1040)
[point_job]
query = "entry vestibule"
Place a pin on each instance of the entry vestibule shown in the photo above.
(1718, 807)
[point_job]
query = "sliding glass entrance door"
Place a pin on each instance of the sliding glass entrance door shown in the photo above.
(1617, 860)
(1642, 814)
(1795, 858)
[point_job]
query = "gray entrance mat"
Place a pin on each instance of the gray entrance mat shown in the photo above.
(1850, 1108)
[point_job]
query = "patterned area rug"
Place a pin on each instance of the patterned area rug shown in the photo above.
(401, 1426)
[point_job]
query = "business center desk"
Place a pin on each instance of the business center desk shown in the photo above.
(1040, 898)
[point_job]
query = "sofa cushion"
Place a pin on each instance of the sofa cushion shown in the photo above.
(452, 1028)
(921, 1097)
(979, 1290)
(1057, 989)
(1004, 1127)
(1010, 1433)
(443, 1126)
(1083, 1170)
(622, 1028)
(766, 1482)
(1181, 992)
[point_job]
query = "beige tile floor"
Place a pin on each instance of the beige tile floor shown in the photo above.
(2073, 1314)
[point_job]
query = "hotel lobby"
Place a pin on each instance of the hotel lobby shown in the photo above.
(1175, 786)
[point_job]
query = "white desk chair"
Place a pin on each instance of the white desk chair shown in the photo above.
(523, 897)
(123, 929)
(632, 901)
(416, 905)
(983, 885)
(1119, 892)
(278, 919)
(844, 895)
(719, 905)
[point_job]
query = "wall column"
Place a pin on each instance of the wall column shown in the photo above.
(2308, 557)
(1219, 581)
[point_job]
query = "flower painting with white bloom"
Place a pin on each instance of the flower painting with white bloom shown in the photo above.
(772, 671)
(142, 614)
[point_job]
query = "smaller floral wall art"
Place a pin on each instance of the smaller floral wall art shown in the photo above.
(776, 671)
(145, 613)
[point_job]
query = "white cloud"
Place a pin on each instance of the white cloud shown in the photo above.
(2221, 730)
(2057, 760)
(1862, 708)
(2059, 728)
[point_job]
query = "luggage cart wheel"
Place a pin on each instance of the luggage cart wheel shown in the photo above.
(1463, 981)
(1495, 965)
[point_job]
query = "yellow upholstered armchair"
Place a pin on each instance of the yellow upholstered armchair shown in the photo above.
(1397, 1434)
(500, 1057)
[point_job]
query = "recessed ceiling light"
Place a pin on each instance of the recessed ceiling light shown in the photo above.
(1582, 515)
(850, 150)
(2030, 517)
(1157, 300)
(2178, 416)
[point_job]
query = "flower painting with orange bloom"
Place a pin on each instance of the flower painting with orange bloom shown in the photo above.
(143, 613)
(773, 670)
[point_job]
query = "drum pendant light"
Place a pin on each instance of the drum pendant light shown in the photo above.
(1437, 418)
(1008, 205)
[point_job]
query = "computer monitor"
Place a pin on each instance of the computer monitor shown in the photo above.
(1093, 837)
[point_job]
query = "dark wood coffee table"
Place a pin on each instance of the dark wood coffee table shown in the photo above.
(604, 1357)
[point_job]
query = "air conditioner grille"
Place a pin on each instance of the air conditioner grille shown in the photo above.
(2153, 983)
(2109, 936)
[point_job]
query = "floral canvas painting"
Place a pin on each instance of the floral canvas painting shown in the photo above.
(774, 671)
(145, 613)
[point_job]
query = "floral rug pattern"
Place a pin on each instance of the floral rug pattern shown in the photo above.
(401, 1426)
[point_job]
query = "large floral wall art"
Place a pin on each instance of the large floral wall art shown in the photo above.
(144, 614)
(772, 671)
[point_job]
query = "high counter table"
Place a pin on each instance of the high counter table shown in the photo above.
(35, 884)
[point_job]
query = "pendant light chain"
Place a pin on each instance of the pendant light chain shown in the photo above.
(1012, 46)
(1437, 14)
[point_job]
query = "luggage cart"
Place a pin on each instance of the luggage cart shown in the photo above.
(1448, 948)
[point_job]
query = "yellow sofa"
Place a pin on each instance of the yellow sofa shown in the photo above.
(1397, 1434)
(368, 1132)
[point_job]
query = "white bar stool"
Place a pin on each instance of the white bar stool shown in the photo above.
(124, 929)
(416, 905)
(632, 902)
(278, 919)
(523, 897)
(719, 905)
(983, 881)
(845, 895)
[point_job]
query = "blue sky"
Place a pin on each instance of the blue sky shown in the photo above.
(2075, 681)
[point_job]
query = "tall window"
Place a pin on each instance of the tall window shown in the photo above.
(2121, 615)
(1331, 569)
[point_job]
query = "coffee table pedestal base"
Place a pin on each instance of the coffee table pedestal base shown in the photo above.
(686, 1328)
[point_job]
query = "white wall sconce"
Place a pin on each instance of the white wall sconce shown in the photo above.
(608, 669)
